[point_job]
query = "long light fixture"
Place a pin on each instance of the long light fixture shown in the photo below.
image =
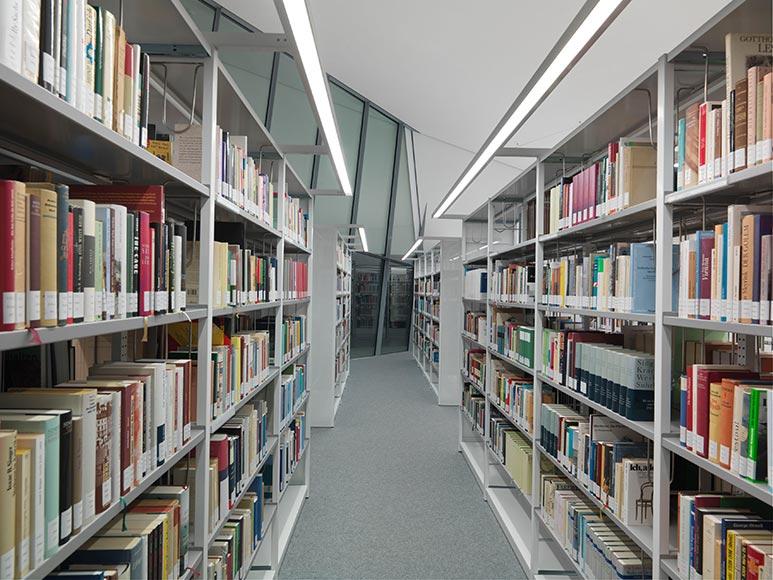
(595, 22)
(297, 16)
(415, 245)
(363, 238)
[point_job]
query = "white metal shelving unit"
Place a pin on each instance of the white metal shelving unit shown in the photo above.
(40, 131)
(668, 215)
(331, 281)
(437, 318)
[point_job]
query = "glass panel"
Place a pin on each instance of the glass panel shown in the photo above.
(373, 205)
(338, 210)
(366, 293)
(293, 121)
(203, 14)
(252, 73)
(397, 322)
(403, 234)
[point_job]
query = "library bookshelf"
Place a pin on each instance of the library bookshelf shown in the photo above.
(50, 135)
(436, 317)
(513, 229)
(331, 280)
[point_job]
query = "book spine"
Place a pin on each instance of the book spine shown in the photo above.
(704, 297)
(46, 74)
(33, 257)
(62, 245)
(7, 502)
(78, 265)
(145, 270)
(48, 262)
(30, 42)
(20, 254)
(89, 57)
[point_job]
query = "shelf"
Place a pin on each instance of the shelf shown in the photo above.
(244, 308)
(472, 338)
(296, 356)
(290, 475)
(734, 327)
(517, 250)
(296, 301)
(272, 443)
(645, 428)
(526, 499)
(642, 535)
(24, 338)
(632, 316)
(729, 188)
(475, 455)
(223, 419)
(343, 343)
(508, 360)
(477, 386)
(294, 497)
(295, 246)
(508, 304)
(268, 517)
(510, 419)
(192, 564)
(230, 209)
(617, 222)
(538, 514)
(107, 516)
(474, 300)
(671, 567)
(760, 491)
(511, 514)
(43, 128)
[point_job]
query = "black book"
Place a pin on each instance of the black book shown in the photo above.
(135, 261)
(46, 74)
(144, 98)
(63, 40)
(157, 266)
(182, 231)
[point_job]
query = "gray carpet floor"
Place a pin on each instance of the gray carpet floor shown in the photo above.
(391, 497)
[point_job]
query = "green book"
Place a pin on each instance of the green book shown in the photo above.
(758, 429)
(49, 426)
(99, 64)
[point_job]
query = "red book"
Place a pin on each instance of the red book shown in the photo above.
(704, 299)
(218, 450)
(70, 265)
(147, 198)
(755, 560)
(702, 120)
(7, 268)
(704, 376)
(145, 266)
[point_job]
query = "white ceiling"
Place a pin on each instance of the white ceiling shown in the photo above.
(451, 72)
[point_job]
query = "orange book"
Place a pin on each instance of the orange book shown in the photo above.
(715, 415)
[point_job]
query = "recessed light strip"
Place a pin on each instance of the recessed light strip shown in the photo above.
(363, 238)
(600, 16)
(415, 245)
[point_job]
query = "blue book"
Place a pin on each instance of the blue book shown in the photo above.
(723, 273)
(642, 278)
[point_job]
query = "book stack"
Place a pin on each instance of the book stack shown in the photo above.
(296, 279)
(475, 325)
(715, 138)
(514, 393)
(725, 273)
(620, 278)
(293, 337)
(724, 415)
(512, 283)
(475, 366)
(80, 53)
(475, 284)
(600, 548)
(293, 388)
(723, 536)
(74, 260)
(623, 178)
(292, 443)
(514, 340)
(609, 461)
(558, 352)
(296, 221)
(240, 364)
(238, 448)
(240, 276)
(231, 552)
(513, 450)
(474, 405)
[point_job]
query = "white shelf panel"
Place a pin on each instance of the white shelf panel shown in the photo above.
(472, 338)
(735, 327)
(560, 310)
(750, 180)
(475, 455)
(245, 308)
(619, 221)
(289, 510)
(510, 361)
(510, 419)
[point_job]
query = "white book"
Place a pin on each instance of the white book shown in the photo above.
(137, 93)
(30, 52)
(36, 442)
(11, 34)
(735, 214)
(119, 259)
(108, 69)
(74, 37)
(179, 301)
(87, 64)
(60, 78)
(115, 450)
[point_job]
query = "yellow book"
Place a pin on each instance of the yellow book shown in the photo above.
(23, 511)
(20, 253)
(7, 503)
(715, 400)
(730, 555)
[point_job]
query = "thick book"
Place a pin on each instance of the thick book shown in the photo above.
(110, 550)
(104, 448)
(48, 262)
(88, 256)
(20, 254)
(33, 257)
(753, 228)
(219, 450)
(23, 478)
(47, 76)
(30, 58)
(35, 443)
(691, 146)
(740, 124)
(7, 501)
(7, 263)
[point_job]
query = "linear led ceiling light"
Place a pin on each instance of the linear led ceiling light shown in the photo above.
(587, 26)
(363, 238)
(414, 247)
(296, 16)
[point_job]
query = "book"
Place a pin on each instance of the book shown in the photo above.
(8, 501)
(12, 34)
(30, 52)
(110, 551)
(22, 522)
(35, 444)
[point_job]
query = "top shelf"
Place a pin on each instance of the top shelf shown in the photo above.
(729, 188)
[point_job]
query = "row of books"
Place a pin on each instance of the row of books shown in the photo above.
(343, 282)
(89, 442)
(428, 286)
(236, 450)
(513, 450)
(475, 284)
(513, 339)
(475, 325)
(343, 309)
(427, 306)
(80, 53)
(474, 405)
(292, 390)
(723, 536)
(724, 416)
(623, 178)
(296, 221)
(620, 278)
(599, 547)
(475, 365)
(715, 138)
(241, 277)
(73, 260)
(343, 257)
(292, 443)
(514, 393)
(611, 463)
(725, 273)
(512, 282)
(240, 363)
(429, 327)
(296, 279)
(293, 338)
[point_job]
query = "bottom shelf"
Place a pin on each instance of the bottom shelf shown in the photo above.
(475, 454)
(288, 512)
